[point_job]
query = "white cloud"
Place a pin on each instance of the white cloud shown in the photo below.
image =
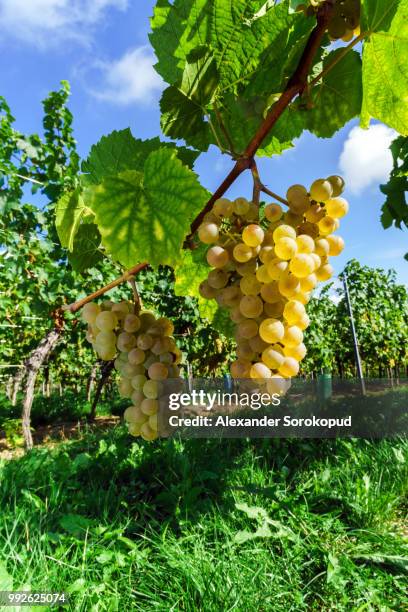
(128, 80)
(366, 159)
(48, 22)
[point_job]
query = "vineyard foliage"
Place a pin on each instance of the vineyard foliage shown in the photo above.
(226, 67)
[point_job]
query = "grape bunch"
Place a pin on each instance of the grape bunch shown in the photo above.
(345, 20)
(264, 271)
(144, 353)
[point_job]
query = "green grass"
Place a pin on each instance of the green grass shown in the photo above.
(125, 525)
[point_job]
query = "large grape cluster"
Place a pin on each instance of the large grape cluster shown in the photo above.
(264, 271)
(145, 354)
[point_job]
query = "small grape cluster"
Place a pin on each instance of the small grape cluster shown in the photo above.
(145, 354)
(345, 20)
(264, 271)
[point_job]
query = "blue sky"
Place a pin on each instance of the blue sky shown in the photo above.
(102, 48)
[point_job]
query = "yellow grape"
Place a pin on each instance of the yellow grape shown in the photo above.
(158, 371)
(138, 381)
(337, 184)
(262, 275)
(270, 292)
(251, 306)
(90, 312)
(293, 311)
(125, 342)
(300, 296)
(134, 429)
(308, 283)
(327, 225)
(293, 336)
(289, 367)
(276, 267)
(298, 198)
(324, 272)
(303, 323)
(298, 352)
(271, 330)
(277, 384)
(316, 260)
(149, 406)
(240, 369)
(125, 387)
(145, 342)
(106, 320)
(153, 422)
(291, 218)
(253, 235)
(250, 285)
(302, 265)
(260, 371)
(248, 328)
(337, 207)
(266, 254)
(274, 310)
(147, 433)
(242, 253)
(336, 245)
(284, 231)
(305, 244)
(241, 206)
(137, 397)
(286, 248)
(288, 285)
(272, 357)
(244, 351)
(133, 414)
(208, 233)
(257, 344)
(273, 212)
(223, 207)
(321, 247)
(321, 190)
(131, 323)
(217, 279)
(217, 257)
(315, 213)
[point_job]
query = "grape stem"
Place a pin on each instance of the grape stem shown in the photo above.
(136, 296)
(295, 86)
(259, 187)
(89, 298)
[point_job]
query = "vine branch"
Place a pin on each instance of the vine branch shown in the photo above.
(295, 86)
(125, 277)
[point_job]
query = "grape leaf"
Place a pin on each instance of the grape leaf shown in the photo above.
(69, 211)
(385, 78)
(85, 253)
(145, 217)
(184, 118)
(177, 29)
(395, 208)
(338, 97)
(377, 14)
(121, 151)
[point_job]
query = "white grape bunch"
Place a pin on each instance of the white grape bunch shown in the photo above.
(144, 352)
(264, 271)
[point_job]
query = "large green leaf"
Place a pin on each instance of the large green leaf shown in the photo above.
(69, 211)
(338, 97)
(120, 151)
(385, 75)
(147, 216)
(85, 253)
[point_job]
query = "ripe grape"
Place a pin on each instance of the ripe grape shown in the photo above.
(217, 257)
(273, 212)
(337, 184)
(250, 285)
(337, 207)
(272, 357)
(293, 311)
(302, 265)
(293, 335)
(322, 246)
(276, 267)
(158, 371)
(271, 330)
(241, 206)
(260, 371)
(131, 323)
(208, 233)
(253, 235)
(106, 320)
(336, 245)
(288, 285)
(262, 274)
(285, 247)
(325, 272)
(289, 367)
(327, 225)
(321, 190)
(242, 253)
(90, 312)
(298, 352)
(251, 306)
(223, 207)
(284, 231)
(248, 328)
(217, 279)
